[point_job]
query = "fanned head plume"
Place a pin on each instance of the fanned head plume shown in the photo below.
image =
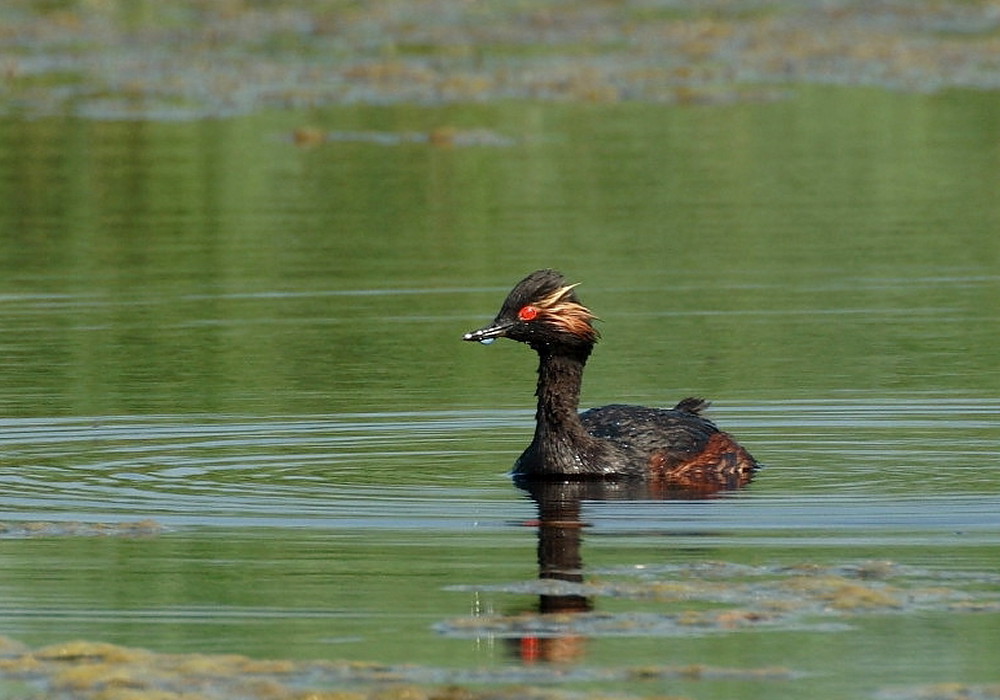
(564, 311)
(543, 311)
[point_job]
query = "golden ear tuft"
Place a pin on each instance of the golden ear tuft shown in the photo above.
(570, 316)
(553, 299)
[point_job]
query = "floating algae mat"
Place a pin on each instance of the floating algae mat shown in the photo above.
(714, 598)
(75, 528)
(185, 60)
(93, 670)
(83, 669)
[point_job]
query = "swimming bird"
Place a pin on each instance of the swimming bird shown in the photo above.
(674, 448)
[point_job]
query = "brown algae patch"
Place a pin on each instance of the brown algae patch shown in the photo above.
(85, 670)
(86, 652)
(41, 528)
(718, 598)
(943, 691)
(441, 137)
(190, 59)
(841, 594)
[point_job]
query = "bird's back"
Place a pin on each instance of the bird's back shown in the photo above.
(677, 433)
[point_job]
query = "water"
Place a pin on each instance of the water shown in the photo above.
(252, 349)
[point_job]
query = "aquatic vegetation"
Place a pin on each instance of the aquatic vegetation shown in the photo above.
(697, 599)
(444, 136)
(192, 59)
(83, 669)
(719, 598)
(944, 691)
(72, 528)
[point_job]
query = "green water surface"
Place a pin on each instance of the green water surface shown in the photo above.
(256, 344)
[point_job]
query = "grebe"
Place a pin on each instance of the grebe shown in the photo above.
(676, 448)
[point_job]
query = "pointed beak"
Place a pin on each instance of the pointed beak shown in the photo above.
(487, 334)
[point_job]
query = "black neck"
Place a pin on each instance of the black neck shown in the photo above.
(560, 438)
(559, 379)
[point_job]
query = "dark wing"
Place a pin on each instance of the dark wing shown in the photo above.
(676, 434)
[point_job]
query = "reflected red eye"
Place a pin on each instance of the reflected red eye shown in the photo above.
(528, 313)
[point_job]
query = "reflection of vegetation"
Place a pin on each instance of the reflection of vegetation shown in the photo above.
(827, 242)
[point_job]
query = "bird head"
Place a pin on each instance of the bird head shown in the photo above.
(543, 311)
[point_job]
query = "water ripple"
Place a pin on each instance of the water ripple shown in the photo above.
(839, 466)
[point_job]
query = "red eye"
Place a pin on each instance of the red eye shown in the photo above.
(528, 313)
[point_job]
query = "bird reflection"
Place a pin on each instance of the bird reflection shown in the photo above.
(560, 538)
